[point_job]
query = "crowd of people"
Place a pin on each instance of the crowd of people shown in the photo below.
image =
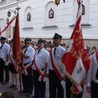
(40, 60)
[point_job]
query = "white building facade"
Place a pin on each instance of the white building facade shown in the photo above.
(42, 18)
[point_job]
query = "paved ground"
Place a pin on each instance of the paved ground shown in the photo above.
(16, 92)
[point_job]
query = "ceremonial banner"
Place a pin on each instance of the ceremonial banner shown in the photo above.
(76, 59)
(16, 46)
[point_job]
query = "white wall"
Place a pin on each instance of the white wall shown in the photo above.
(64, 18)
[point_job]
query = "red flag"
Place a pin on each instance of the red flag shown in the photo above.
(9, 23)
(76, 59)
(16, 46)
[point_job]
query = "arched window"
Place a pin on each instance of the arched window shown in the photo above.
(85, 11)
(7, 20)
(51, 13)
(28, 21)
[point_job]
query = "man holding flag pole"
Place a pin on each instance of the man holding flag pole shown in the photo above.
(75, 60)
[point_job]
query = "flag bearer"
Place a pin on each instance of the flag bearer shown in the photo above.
(56, 74)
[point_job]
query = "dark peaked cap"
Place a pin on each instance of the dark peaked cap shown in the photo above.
(27, 39)
(2, 38)
(57, 36)
(41, 41)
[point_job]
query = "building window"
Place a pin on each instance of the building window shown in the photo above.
(7, 20)
(28, 21)
(29, 16)
(51, 13)
(83, 9)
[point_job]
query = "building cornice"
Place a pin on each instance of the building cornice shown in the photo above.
(13, 4)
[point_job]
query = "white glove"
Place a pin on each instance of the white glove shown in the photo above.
(7, 63)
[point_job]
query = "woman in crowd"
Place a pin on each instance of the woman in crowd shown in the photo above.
(12, 68)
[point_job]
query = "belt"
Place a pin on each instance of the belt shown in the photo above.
(1, 59)
(41, 69)
(26, 64)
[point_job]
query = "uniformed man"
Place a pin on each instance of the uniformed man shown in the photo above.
(56, 74)
(92, 78)
(40, 64)
(4, 51)
(27, 78)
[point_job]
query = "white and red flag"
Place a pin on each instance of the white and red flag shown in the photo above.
(76, 60)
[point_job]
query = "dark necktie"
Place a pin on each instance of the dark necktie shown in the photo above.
(1, 46)
(97, 74)
(54, 51)
(25, 50)
(38, 52)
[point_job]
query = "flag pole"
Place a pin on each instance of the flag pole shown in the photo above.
(20, 83)
(72, 90)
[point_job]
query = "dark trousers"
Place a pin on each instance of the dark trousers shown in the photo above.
(39, 86)
(28, 81)
(2, 64)
(6, 69)
(68, 90)
(55, 88)
(3, 69)
(94, 90)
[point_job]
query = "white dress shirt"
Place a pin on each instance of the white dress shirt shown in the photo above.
(29, 52)
(41, 58)
(92, 70)
(58, 56)
(4, 51)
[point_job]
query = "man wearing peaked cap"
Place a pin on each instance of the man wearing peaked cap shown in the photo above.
(2, 38)
(40, 66)
(28, 56)
(57, 36)
(4, 51)
(55, 86)
(41, 41)
(27, 39)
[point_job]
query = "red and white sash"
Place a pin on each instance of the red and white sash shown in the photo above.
(15, 65)
(38, 69)
(28, 65)
(55, 67)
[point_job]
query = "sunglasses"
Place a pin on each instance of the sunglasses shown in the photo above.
(27, 43)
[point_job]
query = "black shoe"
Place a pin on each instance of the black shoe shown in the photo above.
(4, 83)
(23, 91)
(33, 97)
(16, 87)
(1, 83)
(29, 94)
(12, 86)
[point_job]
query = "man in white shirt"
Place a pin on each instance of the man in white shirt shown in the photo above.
(40, 65)
(92, 78)
(4, 51)
(27, 78)
(56, 74)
